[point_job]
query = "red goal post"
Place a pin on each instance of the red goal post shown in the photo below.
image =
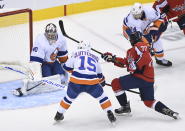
(16, 36)
(30, 20)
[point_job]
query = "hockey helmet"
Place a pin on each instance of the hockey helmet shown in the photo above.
(135, 37)
(137, 10)
(51, 33)
(84, 45)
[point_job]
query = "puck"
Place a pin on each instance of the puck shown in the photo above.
(4, 97)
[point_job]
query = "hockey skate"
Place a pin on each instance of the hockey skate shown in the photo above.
(111, 116)
(59, 117)
(123, 110)
(22, 90)
(17, 92)
(164, 62)
(170, 113)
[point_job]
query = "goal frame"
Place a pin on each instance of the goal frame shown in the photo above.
(19, 11)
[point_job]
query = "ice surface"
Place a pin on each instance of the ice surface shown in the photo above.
(103, 29)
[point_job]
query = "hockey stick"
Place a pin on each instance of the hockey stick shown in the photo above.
(61, 24)
(34, 86)
(126, 90)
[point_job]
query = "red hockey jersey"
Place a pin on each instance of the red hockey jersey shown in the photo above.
(176, 7)
(140, 55)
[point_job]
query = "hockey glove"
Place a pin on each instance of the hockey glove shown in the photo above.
(108, 57)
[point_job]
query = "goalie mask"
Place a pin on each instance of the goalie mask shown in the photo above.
(137, 11)
(51, 33)
(84, 45)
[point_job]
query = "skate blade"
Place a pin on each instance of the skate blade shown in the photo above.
(124, 114)
(177, 117)
(56, 122)
(113, 124)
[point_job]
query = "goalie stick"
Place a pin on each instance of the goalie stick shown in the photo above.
(61, 24)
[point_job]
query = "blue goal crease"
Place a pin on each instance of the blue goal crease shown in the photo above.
(14, 102)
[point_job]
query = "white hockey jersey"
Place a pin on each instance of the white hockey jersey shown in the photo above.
(140, 25)
(42, 49)
(85, 67)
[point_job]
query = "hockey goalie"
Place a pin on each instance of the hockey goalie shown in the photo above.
(48, 55)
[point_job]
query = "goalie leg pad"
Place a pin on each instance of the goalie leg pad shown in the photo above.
(35, 87)
(42, 86)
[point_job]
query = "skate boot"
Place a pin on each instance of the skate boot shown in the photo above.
(17, 92)
(21, 91)
(59, 116)
(111, 116)
(164, 62)
(123, 110)
(170, 113)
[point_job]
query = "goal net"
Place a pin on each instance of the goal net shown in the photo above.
(16, 39)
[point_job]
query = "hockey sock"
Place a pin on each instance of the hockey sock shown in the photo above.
(122, 99)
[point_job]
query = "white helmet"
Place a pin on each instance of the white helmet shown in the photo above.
(51, 33)
(137, 10)
(84, 45)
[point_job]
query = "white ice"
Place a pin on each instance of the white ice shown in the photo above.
(103, 29)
